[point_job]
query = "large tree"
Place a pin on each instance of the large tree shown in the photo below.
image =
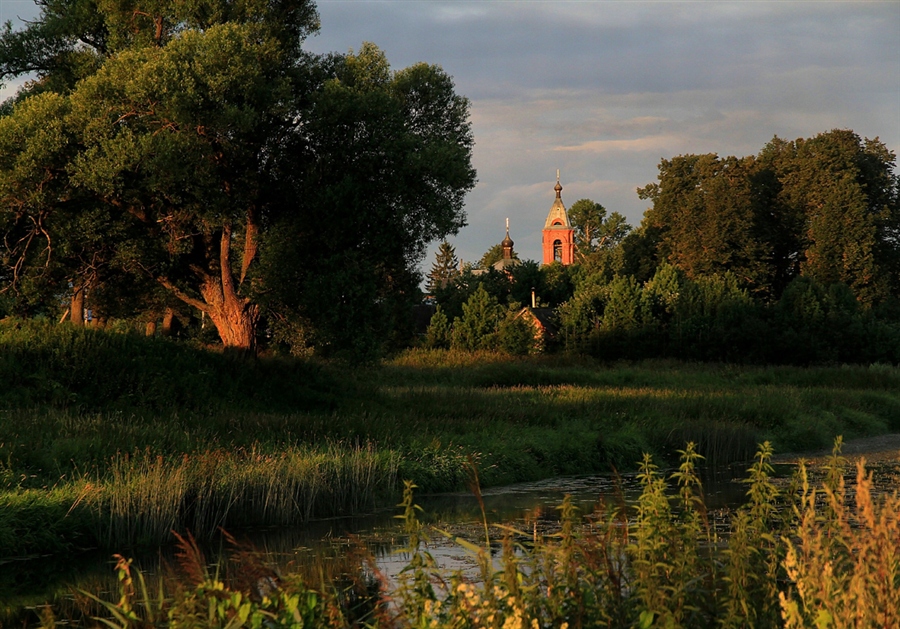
(704, 208)
(825, 207)
(587, 218)
(841, 193)
(208, 136)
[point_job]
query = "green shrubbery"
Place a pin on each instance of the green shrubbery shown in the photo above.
(64, 366)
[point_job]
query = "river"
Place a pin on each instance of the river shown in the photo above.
(330, 546)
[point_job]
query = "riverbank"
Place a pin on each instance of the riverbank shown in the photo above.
(796, 559)
(874, 449)
(110, 440)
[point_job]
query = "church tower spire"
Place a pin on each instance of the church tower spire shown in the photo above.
(507, 244)
(558, 235)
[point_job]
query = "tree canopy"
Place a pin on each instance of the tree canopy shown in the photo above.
(203, 150)
(825, 207)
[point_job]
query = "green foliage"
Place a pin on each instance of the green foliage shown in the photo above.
(195, 437)
(826, 208)
(516, 335)
(623, 305)
(586, 217)
(444, 269)
(180, 160)
(477, 328)
(491, 257)
(824, 563)
(713, 318)
(439, 332)
(91, 370)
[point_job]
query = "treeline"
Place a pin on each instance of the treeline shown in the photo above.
(791, 256)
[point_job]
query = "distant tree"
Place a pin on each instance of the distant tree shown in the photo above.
(661, 293)
(439, 331)
(826, 207)
(587, 218)
(613, 231)
(705, 211)
(623, 305)
(477, 327)
(526, 277)
(848, 195)
(640, 251)
(557, 284)
(490, 257)
(444, 268)
(583, 312)
(515, 335)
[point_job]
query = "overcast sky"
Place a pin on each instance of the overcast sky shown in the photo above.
(602, 90)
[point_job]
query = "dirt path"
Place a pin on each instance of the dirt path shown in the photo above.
(880, 448)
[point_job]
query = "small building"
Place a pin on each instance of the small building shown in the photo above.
(543, 322)
(558, 235)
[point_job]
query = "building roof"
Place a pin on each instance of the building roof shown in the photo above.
(557, 218)
(544, 317)
(505, 263)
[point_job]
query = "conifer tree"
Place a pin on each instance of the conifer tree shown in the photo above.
(477, 328)
(444, 269)
(438, 334)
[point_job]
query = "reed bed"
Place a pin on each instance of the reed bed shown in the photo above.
(145, 496)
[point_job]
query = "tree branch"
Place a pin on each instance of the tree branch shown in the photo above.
(250, 243)
(228, 291)
(190, 301)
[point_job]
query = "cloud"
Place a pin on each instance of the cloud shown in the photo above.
(604, 90)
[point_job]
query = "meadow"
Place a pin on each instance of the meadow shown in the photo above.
(111, 439)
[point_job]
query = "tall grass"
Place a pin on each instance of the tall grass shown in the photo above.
(824, 563)
(145, 497)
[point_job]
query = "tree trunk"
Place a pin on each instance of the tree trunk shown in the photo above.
(150, 328)
(236, 323)
(235, 317)
(76, 311)
(168, 319)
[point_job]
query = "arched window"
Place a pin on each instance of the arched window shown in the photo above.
(557, 250)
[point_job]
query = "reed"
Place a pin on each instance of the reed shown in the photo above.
(145, 496)
(830, 562)
(843, 560)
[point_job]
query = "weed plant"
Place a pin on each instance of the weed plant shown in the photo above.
(799, 558)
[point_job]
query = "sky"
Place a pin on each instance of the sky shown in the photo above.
(603, 90)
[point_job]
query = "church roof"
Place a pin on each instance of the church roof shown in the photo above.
(506, 263)
(557, 218)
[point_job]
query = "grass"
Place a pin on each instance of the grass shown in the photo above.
(808, 556)
(143, 435)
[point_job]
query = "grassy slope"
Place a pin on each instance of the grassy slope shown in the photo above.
(76, 402)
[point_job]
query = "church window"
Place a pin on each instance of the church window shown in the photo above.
(557, 250)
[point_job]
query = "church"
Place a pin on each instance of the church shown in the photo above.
(558, 236)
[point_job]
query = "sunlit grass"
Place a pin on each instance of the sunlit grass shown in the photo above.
(79, 404)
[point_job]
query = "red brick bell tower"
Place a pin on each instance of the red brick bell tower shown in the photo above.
(558, 235)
